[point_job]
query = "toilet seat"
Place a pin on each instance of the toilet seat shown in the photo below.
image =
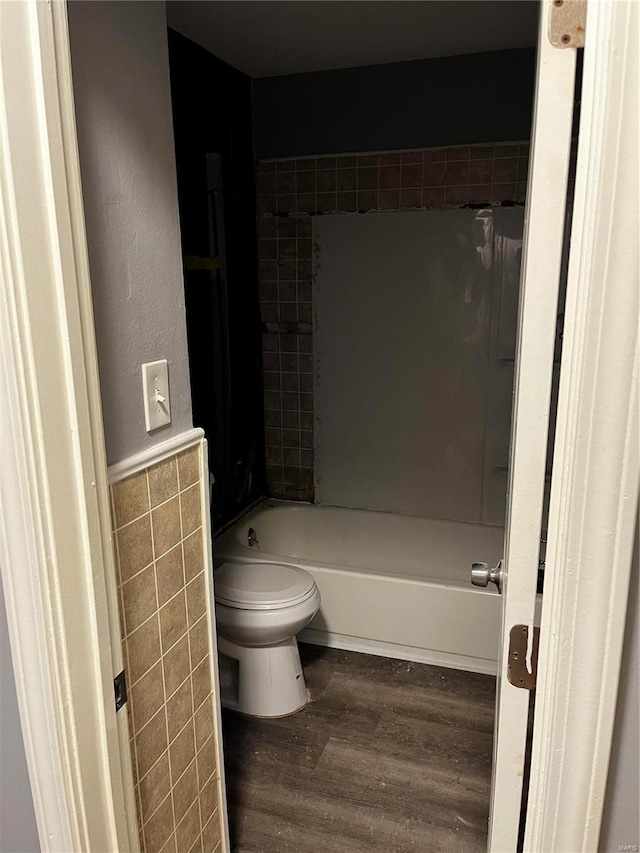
(262, 586)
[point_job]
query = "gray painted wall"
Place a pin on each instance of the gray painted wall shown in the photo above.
(482, 97)
(123, 109)
(18, 830)
(621, 822)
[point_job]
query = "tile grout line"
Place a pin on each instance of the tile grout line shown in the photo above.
(161, 607)
(159, 806)
(134, 739)
(184, 816)
(164, 686)
(170, 648)
(216, 816)
(170, 791)
(119, 584)
(192, 721)
(133, 746)
(157, 761)
(151, 509)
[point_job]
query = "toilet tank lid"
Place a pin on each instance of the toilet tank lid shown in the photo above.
(261, 585)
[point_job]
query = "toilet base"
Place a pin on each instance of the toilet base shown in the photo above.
(262, 681)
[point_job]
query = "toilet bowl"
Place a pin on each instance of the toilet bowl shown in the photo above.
(260, 607)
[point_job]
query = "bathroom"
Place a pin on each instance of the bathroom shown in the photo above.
(260, 291)
(351, 282)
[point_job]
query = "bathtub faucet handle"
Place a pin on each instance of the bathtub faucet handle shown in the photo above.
(482, 575)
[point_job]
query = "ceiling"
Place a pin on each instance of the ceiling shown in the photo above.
(274, 37)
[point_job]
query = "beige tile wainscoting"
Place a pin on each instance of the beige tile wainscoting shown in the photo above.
(290, 192)
(160, 546)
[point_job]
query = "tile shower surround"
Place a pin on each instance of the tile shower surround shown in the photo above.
(159, 538)
(290, 192)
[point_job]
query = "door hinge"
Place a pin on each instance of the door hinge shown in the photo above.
(567, 23)
(517, 671)
(120, 689)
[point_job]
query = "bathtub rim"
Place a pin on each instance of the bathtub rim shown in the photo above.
(229, 539)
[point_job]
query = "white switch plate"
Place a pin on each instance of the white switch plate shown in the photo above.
(155, 387)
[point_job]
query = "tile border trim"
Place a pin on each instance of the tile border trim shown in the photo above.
(152, 455)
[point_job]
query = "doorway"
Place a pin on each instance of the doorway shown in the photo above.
(604, 19)
(351, 400)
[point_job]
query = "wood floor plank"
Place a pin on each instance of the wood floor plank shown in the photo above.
(363, 696)
(314, 824)
(388, 756)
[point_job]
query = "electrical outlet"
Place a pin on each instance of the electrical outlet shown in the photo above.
(155, 387)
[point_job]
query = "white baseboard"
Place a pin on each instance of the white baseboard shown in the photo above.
(389, 650)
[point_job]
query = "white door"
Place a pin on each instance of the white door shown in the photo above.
(543, 237)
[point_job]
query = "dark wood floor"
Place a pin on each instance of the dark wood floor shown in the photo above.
(388, 756)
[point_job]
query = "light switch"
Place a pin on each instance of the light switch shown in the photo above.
(155, 387)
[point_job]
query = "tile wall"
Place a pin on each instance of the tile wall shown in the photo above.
(290, 192)
(160, 542)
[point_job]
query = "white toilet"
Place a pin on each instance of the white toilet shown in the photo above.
(260, 607)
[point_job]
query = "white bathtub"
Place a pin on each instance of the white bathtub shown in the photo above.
(391, 585)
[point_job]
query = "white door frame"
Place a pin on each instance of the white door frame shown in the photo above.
(544, 230)
(56, 554)
(55, 541)
(594, 491)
